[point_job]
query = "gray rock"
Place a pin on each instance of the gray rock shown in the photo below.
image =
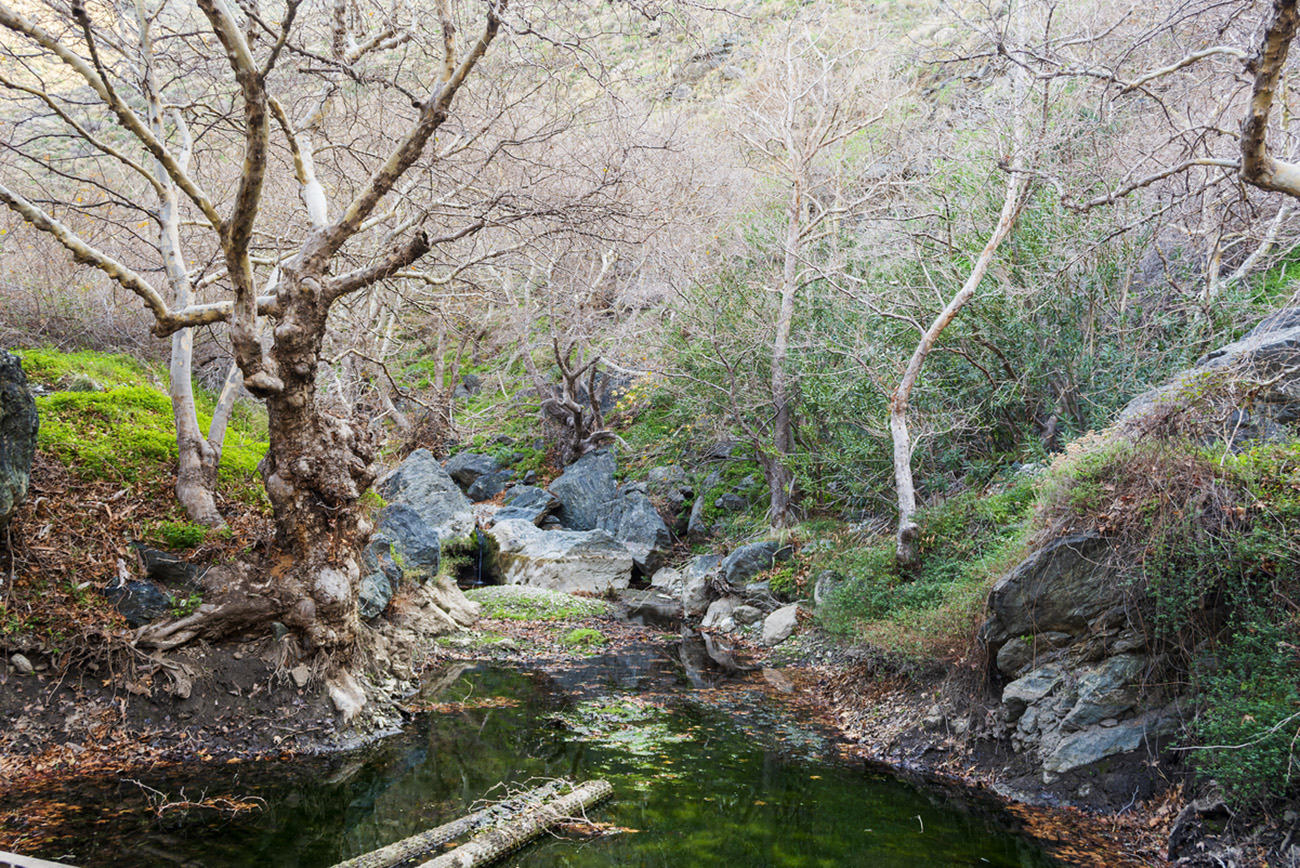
(748, 561)
(730, 502)
(18, 426)
(139, 602)
(1062, 586)
(826, 583)
(473, 383)
(696, 527)
(1015, 656)
(590, 560)
(422, 484)
(1095, 743)
(1105, 691)
(415, 545)
(1269, 355)
(667, 477)
(586, 491)
(467, 467)
(695, 584)
(668, 581)
(488, 486)
(528, 503)
(165, 568)
(780, 625)
(1028, 690)
(374, 594)
(722, 449)
(719, 613)
(746, 615)
(636, 523)
(21, 664)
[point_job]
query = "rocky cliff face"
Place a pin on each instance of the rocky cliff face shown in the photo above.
(1076, 656)
(18, 424)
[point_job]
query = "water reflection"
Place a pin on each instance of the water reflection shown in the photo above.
(724, 775)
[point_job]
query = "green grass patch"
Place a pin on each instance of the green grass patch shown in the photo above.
(966, 543)
(520, 603)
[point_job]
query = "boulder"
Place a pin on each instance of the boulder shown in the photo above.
(668, 581)
(780, 625)
(528, 503)
(167, 569)
(825, 584)
(586, 491)
(748, 561)
(591, 561)
(467, 467)
(18, 424)
(636, 523)
(1095, 743)
(415, 544)
(1267, 360)
(1024, 692)
(1062, 586)
(695, 584)
(697, 527)
(421, 483)
(488, 486)
(671, 486)
(1105, 691)
(746, 616)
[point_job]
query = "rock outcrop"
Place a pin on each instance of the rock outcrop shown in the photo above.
(1062, 626)
(18, 425)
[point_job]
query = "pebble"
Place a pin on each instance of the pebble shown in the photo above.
(22, 664)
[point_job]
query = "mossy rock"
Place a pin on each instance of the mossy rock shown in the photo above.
(520, 603)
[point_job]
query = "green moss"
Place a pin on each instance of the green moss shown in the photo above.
(178, 534)
(55, 368)
(126, 433)
(582, 637)
(519, 603)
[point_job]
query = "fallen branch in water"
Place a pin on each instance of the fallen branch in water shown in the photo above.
(491, 846)
(501, 813)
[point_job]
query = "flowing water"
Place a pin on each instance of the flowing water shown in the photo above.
(710, 766)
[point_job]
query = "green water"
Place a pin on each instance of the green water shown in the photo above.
(706, 775)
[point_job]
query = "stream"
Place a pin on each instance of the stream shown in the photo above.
(710, 764)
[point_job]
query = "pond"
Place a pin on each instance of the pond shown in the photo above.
(710, 766)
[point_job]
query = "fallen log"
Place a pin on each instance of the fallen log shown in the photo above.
(495, 843)
(431, 839)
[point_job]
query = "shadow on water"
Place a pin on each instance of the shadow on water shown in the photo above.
(709, 767)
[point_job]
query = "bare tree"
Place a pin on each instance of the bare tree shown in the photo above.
(414, 179)
(817, 98)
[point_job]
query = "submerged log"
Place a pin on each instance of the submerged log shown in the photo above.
(492, 845)
(431, 839)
